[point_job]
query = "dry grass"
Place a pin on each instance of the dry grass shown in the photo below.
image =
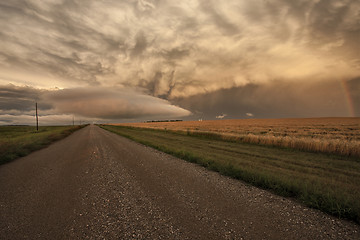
(19, 141)
(327, 135)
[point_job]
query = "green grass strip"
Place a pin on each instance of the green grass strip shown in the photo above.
(326, 182)
(19, 141)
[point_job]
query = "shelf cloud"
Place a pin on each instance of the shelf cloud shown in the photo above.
(112, 104)
(91, 103)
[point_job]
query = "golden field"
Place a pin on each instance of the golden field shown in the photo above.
(326, 135)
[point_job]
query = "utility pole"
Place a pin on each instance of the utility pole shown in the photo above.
(37, 118)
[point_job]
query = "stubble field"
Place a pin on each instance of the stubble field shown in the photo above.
(339, 136)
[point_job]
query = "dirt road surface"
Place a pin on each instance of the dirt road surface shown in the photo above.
(97, 185)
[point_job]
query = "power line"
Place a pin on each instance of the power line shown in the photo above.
(37, 118)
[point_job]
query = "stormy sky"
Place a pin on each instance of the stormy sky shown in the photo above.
(134, 60)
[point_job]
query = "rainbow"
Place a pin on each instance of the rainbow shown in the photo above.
(349, 101)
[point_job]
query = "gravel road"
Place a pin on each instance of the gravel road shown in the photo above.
(97, 185)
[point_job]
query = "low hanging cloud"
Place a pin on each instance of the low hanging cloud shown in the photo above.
(107, 103)
(279, 99)
(55, 106)
(221, 116)
(21, 99)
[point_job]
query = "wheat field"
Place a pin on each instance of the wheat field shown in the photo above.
(327, 135)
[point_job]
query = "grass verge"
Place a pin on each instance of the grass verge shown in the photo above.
(19, 141)
(326, 182)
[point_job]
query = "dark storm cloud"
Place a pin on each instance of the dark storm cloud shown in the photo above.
(354, 94)
(21, 99)
(277, 100)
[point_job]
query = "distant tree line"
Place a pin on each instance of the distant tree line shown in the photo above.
(149, 121)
